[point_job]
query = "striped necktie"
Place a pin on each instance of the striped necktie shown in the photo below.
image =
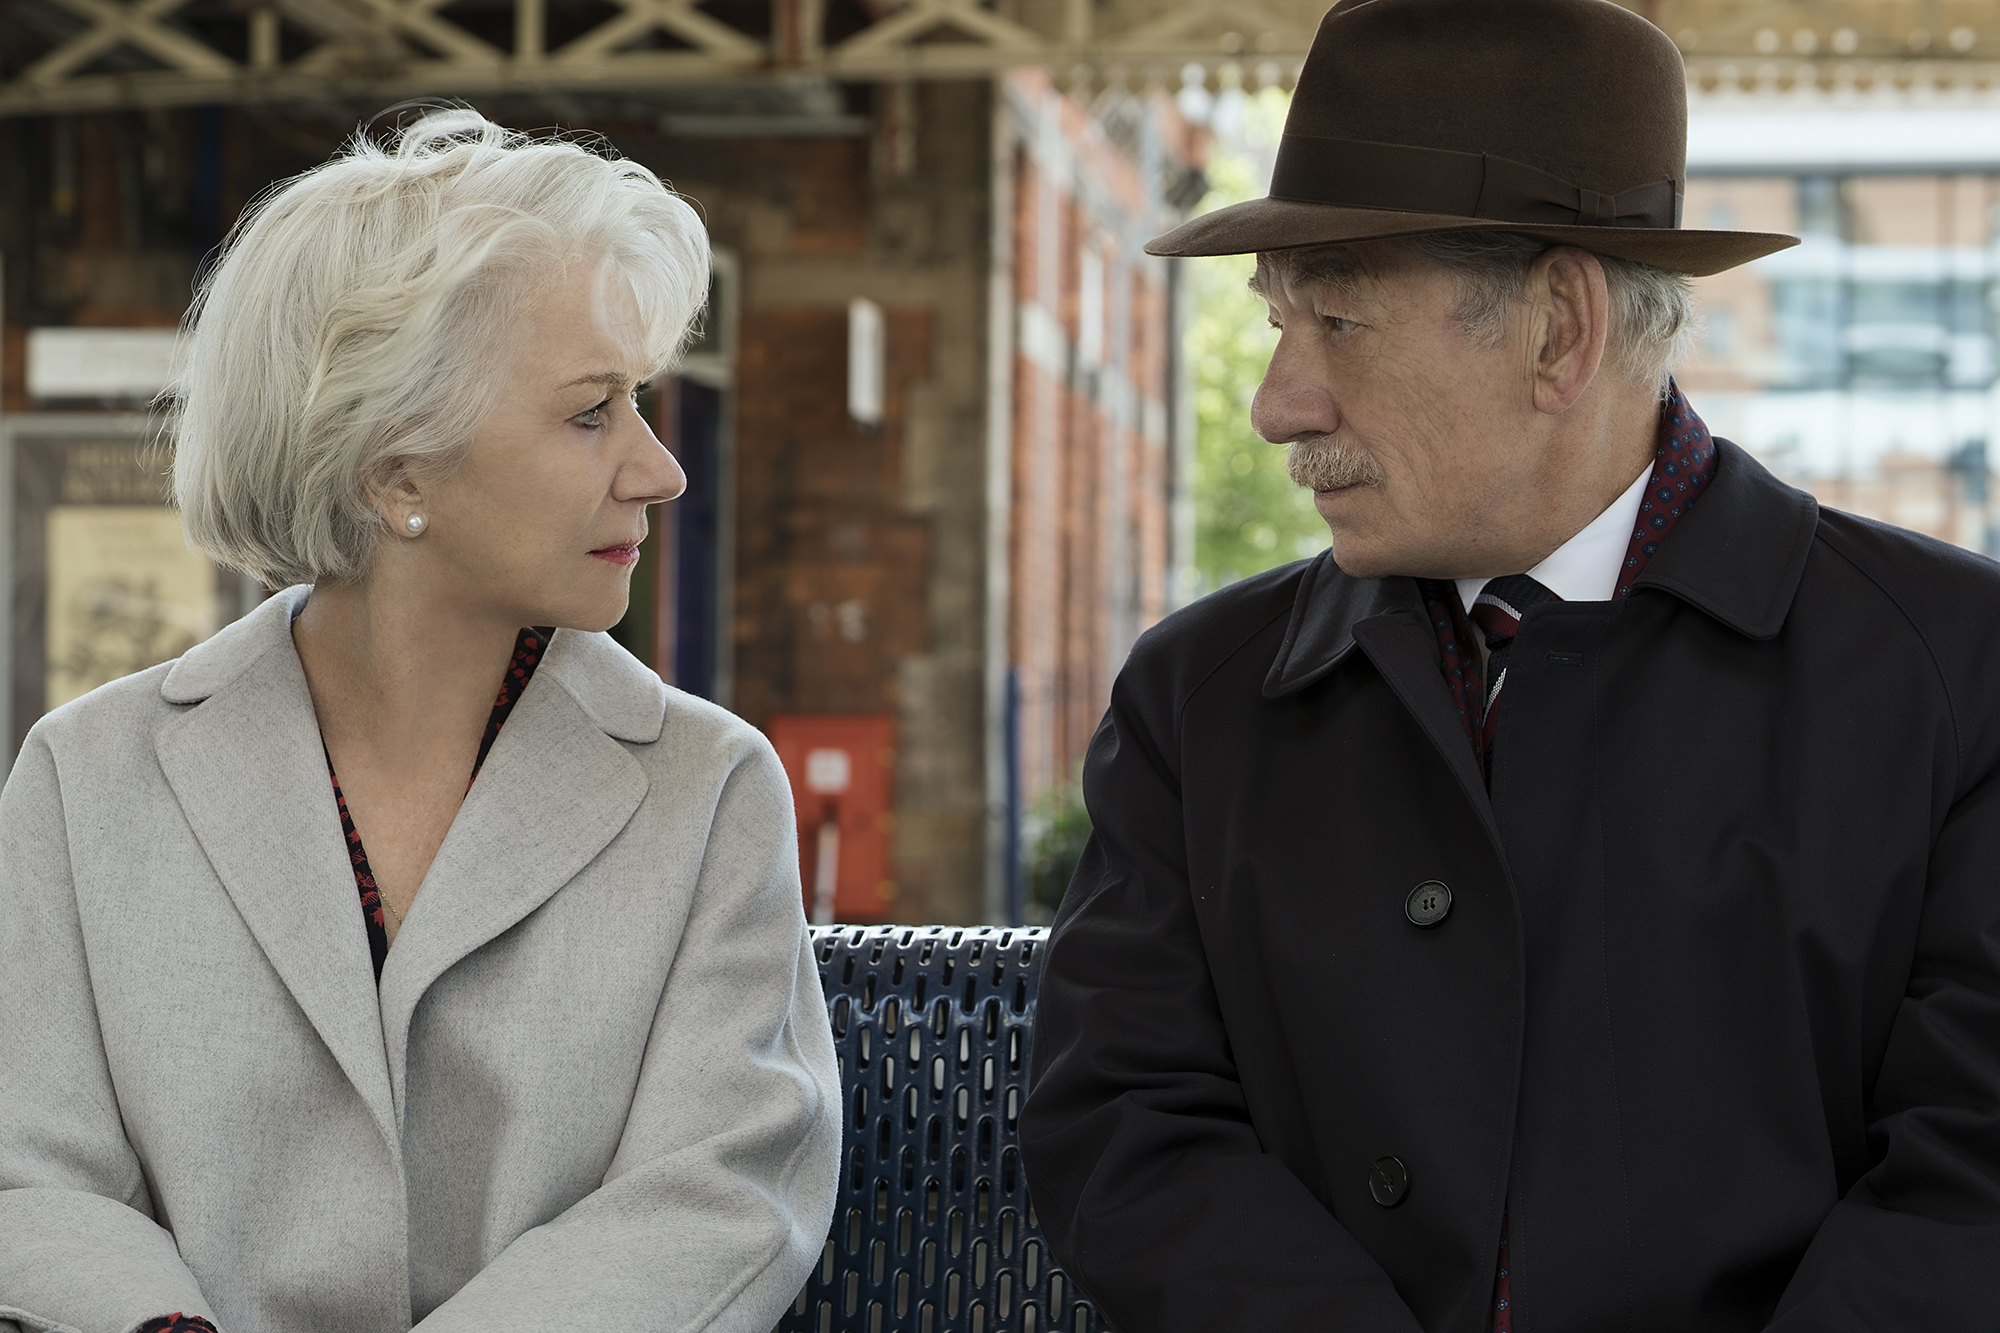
(1497, 611)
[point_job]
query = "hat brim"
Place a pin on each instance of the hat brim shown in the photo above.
(1289, 224)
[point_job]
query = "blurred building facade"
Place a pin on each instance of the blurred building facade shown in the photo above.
(1862, 364)
(961, 565)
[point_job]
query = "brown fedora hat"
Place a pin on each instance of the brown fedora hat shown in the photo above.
(1562, 119)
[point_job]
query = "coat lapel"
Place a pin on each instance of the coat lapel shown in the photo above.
(245, 762)
(1334, 614)
(555, 790)
(1403, 648)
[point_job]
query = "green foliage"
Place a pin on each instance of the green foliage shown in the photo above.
(1054, 832)
(1249, 517)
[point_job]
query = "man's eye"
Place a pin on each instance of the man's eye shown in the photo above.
(1336, 324)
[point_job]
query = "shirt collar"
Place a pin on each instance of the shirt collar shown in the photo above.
(1587, 566)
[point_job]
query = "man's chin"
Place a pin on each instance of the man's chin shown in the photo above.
(1357, 559)
(1348, 540)
(1362, 571)
(1360, 558)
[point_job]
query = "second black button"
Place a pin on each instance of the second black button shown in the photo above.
(1428, 903)
(1389, 1181)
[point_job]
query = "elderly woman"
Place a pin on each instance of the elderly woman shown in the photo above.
(336, 996)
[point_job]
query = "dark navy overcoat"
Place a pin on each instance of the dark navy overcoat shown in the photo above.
(1713, 1018)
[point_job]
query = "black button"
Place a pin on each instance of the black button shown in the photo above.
(1389, 1181)
(1428, 903)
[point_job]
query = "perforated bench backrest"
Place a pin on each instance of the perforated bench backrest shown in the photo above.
(933, 1230)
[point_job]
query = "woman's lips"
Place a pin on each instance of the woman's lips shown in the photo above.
(618, 555)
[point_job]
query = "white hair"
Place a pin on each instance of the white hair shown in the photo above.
(346, 337)
(1653, 321)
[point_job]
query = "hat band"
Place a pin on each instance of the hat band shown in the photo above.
(1355, 174)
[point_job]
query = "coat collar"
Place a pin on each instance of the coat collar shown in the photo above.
(245, 761)
(1740, 553)
(1738, 556)
(1325, 611)
(626, 704)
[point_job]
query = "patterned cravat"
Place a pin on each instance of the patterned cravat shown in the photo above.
(1497, 611)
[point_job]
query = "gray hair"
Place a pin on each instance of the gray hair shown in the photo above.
(345, 339)
(1653, 321)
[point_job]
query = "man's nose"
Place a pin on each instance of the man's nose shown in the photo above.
(1291, 402)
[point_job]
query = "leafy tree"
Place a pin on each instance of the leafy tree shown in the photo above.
(1249, 517)
(1055, 832)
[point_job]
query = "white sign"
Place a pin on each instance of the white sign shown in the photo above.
(1090, 308)
(828, 772)
(866, 357)
(99, 363)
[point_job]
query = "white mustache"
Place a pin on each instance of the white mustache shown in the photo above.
(1321, 464)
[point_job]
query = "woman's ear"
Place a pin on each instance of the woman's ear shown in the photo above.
(399, 500)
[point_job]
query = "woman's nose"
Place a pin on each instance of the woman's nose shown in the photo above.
(656, 477)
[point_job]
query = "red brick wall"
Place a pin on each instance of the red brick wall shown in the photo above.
(860, 556)
(831, 575)
(1091, 474)
(858, 552)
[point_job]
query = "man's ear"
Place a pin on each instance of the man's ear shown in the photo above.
(1572, 304)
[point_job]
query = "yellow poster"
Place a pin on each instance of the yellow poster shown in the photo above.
(125, 593)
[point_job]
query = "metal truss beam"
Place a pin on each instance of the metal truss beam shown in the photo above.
(390, 49)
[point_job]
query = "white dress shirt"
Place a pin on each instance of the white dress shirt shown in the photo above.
(1586, 567)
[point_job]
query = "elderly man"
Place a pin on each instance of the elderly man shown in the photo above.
(1572, 902)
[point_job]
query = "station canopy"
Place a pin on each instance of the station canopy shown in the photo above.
(83, 55)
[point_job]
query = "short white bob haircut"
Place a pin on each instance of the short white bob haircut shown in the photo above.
(346, 337)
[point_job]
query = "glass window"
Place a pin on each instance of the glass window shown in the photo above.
(1862, 363)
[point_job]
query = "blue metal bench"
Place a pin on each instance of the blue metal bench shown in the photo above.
(933, 1230)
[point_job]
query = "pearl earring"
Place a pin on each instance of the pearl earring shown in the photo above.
(415, 523)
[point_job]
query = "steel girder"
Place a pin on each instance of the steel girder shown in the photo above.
(78, 55)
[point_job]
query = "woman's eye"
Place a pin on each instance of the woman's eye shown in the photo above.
(593, 416)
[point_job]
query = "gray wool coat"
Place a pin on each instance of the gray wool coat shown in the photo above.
(596, 1089)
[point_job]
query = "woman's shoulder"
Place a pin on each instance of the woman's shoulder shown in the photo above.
(97, 743)
(657, 722)
(129, 710)
(696, 755)
(116, 710)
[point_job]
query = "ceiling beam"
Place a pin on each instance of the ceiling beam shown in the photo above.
(384, 50)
